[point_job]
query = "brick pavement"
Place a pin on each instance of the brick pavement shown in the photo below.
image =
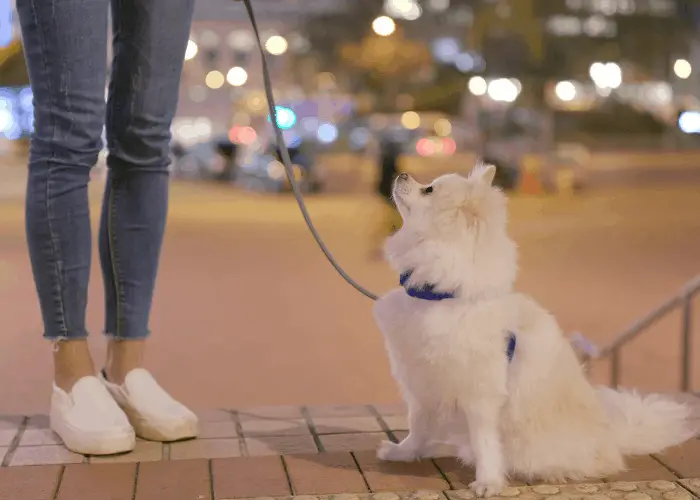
(318, 453)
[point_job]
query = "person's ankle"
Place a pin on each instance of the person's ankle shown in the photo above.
(72, 362)
(123, 356)
(66, 381)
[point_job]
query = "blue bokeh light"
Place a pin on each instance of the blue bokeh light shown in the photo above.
(286, 118)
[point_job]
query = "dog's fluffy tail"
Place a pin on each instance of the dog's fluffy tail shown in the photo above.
(646, 424)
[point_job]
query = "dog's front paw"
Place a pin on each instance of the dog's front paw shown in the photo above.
(393, 452)
(487, 488)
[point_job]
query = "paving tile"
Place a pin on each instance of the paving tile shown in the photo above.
(33, 436)
(338, 411)
(174, 480)
(98, 482)
(692, 484)
(281, 445)
(684, 460)
(400, 435)
(44, 455)
(340, 425)
(249, 477)
(324, 474)
(390, 410)
(212, 416)
(274, 427)
(396, 422)
(29, 483)
(352, 442)
(221, 429)
(643, 468)
(8, 429)
(205, 448)
(395, 476)
(457, 474)
(145, 451)
(270, 412)
(39, 421)
(652, 490)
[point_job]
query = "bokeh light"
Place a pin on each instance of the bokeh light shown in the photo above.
(276, 45)
(214, 79)
(477, 85)
(682, 68)
(566, 91)
(237, 76)
(191, 50)
(410, 120)
(383, 26)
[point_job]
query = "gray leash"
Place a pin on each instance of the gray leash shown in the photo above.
(287, 162)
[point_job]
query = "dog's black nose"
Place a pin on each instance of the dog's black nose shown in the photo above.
(403, 176)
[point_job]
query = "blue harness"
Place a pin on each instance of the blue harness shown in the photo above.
(427, 292)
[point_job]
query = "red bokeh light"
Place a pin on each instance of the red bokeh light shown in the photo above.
(242, 135)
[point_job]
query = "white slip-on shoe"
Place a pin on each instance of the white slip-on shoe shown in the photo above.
(88, 421)
(153, 413)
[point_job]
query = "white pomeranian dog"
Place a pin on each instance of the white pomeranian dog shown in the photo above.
(487, 370)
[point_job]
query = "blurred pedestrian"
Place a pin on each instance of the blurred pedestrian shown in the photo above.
(65, 44)
(390, 220)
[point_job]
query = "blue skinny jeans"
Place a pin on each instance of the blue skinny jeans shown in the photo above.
(65, 44)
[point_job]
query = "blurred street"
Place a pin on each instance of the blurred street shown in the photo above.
(248, 312)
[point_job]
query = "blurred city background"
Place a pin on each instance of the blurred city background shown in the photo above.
(589, 108)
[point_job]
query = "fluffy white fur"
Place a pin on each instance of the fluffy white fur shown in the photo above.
(536, 417)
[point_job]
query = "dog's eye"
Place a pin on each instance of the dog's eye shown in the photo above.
(427, 190)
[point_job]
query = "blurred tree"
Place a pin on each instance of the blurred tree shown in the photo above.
(13, 70)
(510, 36)
(386, 62)
(386, 73)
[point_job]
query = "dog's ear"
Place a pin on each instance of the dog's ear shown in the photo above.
(484, 174)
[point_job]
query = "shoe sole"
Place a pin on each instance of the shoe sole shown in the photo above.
(76, 442)
(180, 432)
(184, 429)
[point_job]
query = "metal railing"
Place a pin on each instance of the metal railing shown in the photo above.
(683, 299)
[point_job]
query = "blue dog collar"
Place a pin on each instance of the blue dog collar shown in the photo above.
(510, 351)
(427, 292)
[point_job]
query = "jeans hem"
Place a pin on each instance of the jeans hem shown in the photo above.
(75, 335)
(119, 338)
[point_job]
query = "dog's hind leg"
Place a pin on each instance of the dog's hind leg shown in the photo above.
(421, 421)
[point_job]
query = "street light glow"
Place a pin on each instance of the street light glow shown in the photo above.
(404, 9)
(566, 91)
(191, 50)
(236, 76)
(606, 75)
(413, 13)
(410, 120)
(503, 90)
(682, 68)
(477, 85)
(214, 79)
(383, 26)
(276, 45)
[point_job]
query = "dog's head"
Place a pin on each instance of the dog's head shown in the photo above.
(454, 233)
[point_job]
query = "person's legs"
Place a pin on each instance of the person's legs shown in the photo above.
(65, 47)
(150, 37)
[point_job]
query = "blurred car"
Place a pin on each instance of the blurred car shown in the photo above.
(210, 160)
(265, 171)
